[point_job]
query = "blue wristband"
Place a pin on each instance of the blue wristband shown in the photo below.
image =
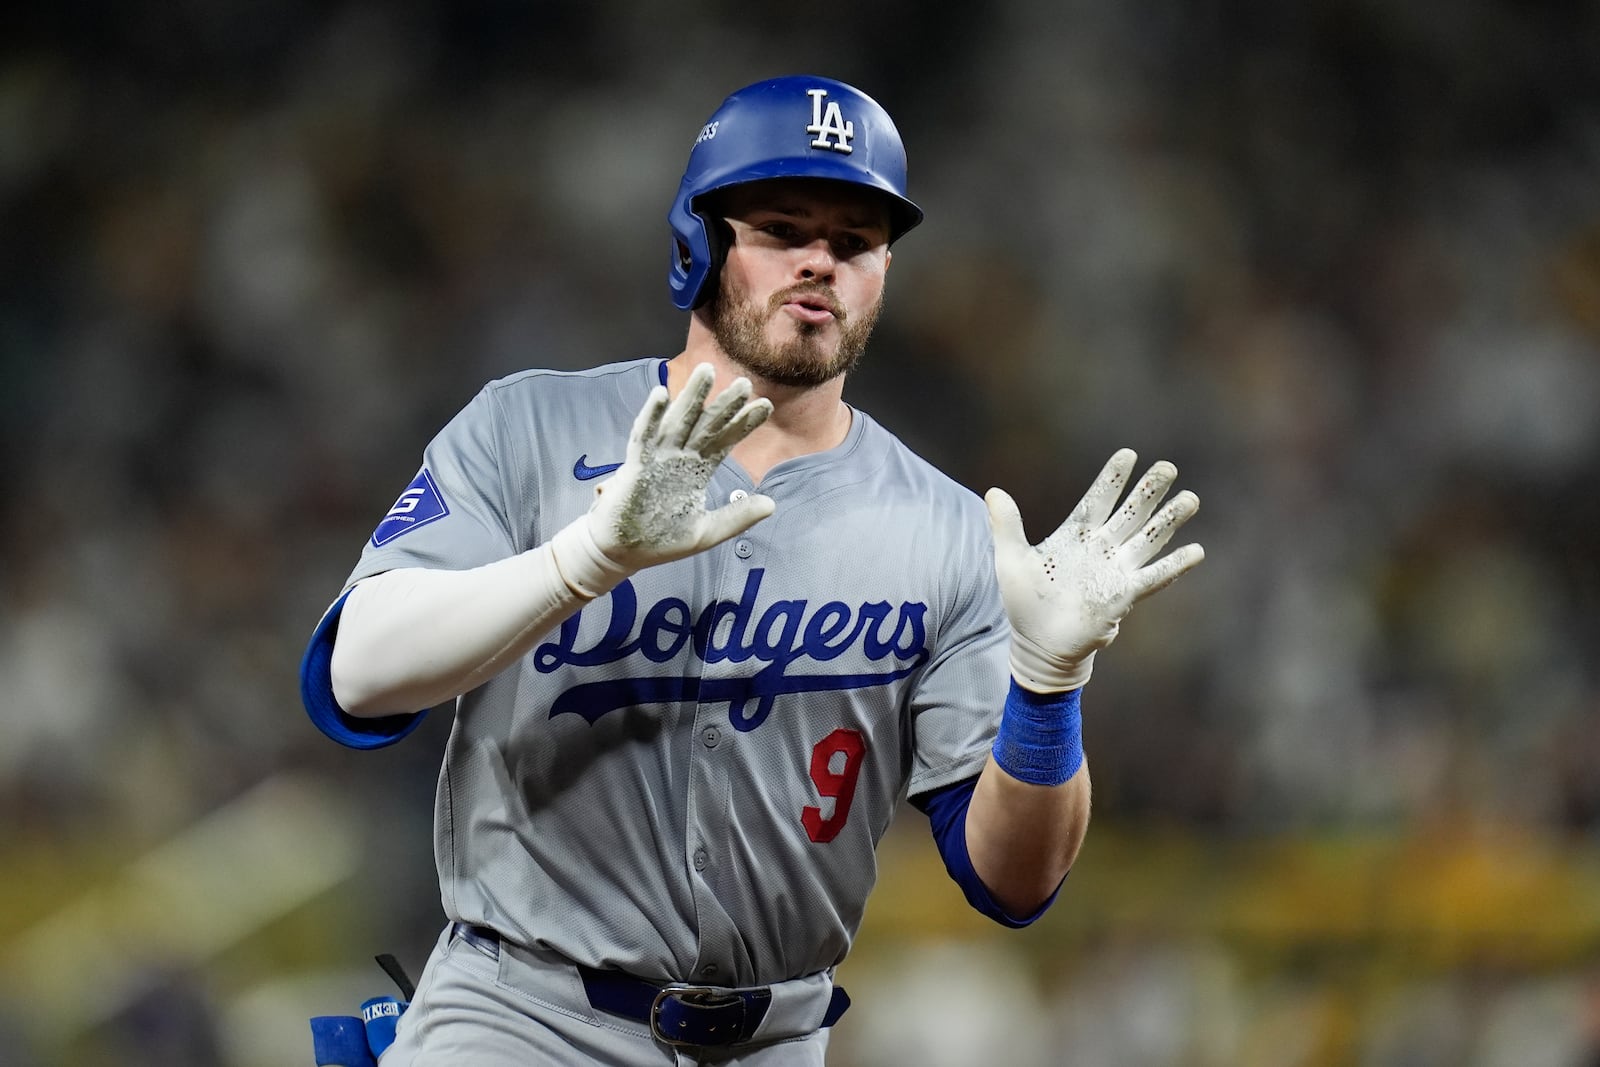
(1041, 736)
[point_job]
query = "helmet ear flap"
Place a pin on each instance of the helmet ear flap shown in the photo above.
(720, 237)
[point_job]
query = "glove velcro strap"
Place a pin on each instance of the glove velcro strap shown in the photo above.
(587, 570)
(1041, 672)
(1041, 736)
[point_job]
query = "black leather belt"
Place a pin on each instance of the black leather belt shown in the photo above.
(691, 1015)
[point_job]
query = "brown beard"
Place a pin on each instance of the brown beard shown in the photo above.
(740, 330)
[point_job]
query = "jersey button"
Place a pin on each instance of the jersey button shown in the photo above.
(743, 549)
(708, 970)
(711, 736)
(701, 859)
(736, 496)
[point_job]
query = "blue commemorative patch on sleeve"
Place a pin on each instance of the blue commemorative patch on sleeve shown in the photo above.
(420, 504)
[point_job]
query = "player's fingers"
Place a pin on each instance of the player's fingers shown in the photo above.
(1141, 503)
(744, 420)
(686, 408)
(647, 423)
(734, 518)
(1005, 521)
(1108, 485)
(1166, 570)
(1144, 545)
(718, 413)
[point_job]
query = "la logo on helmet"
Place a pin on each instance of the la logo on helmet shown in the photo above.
(829, 123)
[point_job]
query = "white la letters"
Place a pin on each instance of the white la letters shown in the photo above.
(829, 123)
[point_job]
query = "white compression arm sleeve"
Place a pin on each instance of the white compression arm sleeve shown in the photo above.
(413, 638)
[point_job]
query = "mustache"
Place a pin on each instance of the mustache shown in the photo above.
(811, 293)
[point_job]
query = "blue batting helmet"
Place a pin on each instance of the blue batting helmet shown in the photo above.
(792, 127)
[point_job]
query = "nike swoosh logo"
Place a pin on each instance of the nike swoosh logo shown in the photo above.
(583, 472)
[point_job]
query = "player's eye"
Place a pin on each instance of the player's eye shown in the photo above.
(851, 244)
(779, 229)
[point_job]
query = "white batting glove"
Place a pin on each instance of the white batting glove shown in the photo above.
(1067, 596)
(653, 510)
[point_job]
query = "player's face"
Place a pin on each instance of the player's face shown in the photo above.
(802, 286)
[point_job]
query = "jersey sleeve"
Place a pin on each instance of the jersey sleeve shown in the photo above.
(946, 809)
(316, 693)
(956, 705)
(454, 515)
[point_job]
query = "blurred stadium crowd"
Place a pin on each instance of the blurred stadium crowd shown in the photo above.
(1339, 260)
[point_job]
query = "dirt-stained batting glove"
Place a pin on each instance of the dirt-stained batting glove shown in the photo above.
(1067, 595)
(653, 510)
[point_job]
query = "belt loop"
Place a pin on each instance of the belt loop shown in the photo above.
(482, 938)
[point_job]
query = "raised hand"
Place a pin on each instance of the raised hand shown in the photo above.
(1067, 596)
(653, 510)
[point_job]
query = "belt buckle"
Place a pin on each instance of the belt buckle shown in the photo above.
(696, 996)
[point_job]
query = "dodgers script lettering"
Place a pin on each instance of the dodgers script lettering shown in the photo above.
(788, 633)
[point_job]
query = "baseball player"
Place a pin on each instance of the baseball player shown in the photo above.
(705, 625)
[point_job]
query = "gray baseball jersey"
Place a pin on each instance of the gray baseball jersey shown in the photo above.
(689, 778)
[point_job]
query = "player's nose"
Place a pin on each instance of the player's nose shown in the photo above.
(816, 261)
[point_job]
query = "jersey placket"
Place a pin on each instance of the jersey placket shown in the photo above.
(714, 742)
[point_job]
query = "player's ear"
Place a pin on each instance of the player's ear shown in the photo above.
(888, 258)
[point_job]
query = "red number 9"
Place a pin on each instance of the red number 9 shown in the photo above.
(839, 785)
